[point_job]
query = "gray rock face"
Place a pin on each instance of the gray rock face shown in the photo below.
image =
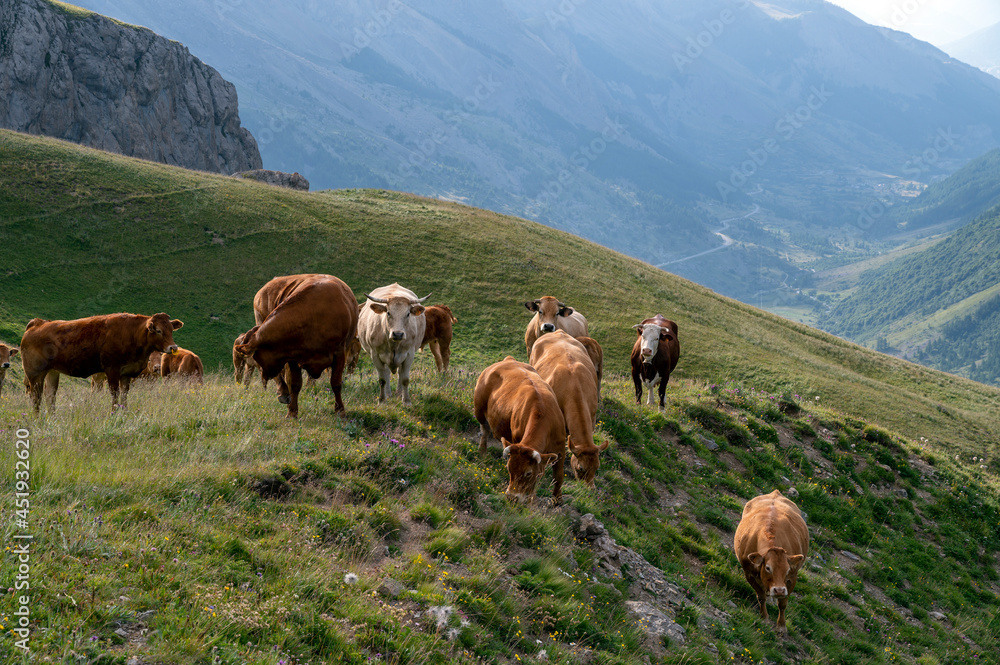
(277, 178)
(79, 76)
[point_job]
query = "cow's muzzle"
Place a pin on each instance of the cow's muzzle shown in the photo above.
(548, 327)
(5, 366)
(171, 350)
(779, 591)
(398, 335)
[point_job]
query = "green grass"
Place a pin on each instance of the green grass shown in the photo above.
(198, 518)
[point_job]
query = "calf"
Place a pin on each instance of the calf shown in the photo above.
(438, 334)
(513, 402)
(109, 343)
(565, 364)
(771, 544)
(654, 356)
(182, 363)
(6, 353)
(551, 315)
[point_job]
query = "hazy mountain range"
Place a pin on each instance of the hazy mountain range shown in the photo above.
(981, 49)
(612, 120)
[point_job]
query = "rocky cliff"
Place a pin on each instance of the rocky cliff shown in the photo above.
(72, 74)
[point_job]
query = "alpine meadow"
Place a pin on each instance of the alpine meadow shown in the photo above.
(202, 526)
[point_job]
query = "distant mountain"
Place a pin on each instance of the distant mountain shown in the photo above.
(940, 306)
(981, 49)
(611, 119)
(75, 75)
(962, 196)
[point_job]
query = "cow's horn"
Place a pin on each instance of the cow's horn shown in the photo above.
(506, 453)
(374, 299)
(420, 300)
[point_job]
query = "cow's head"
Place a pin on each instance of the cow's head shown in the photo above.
(548, 308)
(525, 466)
(153, 364)
(776, 570)
(399, 312)
(651, 335)
(353, 355)
(6, 353)
(160, 328)
(585, 460)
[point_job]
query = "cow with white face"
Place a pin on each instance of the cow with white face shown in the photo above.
(391, 326)
(551, 315)
(654, 356)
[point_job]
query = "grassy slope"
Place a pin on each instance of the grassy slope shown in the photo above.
(103, 234)
(192, 521)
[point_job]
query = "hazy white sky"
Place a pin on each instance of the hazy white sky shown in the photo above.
(936, 21)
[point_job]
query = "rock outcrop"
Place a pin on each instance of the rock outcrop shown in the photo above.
(276, 178)
(72, 74)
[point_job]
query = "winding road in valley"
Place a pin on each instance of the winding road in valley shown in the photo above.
(726, 240)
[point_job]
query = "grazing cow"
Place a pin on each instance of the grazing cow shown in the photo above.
(654, 356)
(771, 543)
(182, 363)
(565, 364)
(109, 343)
(514, 403)
(242, 365)
(6, 353)
(139, 370)
(390, 328)
(551, 315)
(310, 329)
(438, 334)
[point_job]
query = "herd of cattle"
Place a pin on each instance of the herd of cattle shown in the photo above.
(538, 410)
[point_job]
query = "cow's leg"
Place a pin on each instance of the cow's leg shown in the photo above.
(782, 604)
(384, 389)
(557, 478)
(293, 380)
(438, 358)
(51, 386)
(125, 384)
(650, 395)
(404, 378)
(35, 386)
(3, 375)
(114, 385)
(663, 391)
(281, 384)
(337, 379)
(637, 380)
(445, 355)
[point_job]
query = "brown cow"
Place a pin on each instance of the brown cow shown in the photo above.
(108, 343)
(182, 363)
(771, 543)
(565, 364)
(311, 329)
(139, 370)
(654, 356)
(551, 315)
(6, 353)
(514, 403)
(438, 334)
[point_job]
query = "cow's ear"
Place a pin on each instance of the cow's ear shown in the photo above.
(638, 328)
(570, 444)
(506, 448)
(416, 310)
(378, 308)
(566, 311)
(246, 349)
(13, 352)
(177, 324)
(532, 305)
(549, 458)
(604, 446)
(755, 559)
(795, 561)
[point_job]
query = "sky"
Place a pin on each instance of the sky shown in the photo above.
(936, 21)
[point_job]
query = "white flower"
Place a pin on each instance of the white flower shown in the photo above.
(542, 655)
(350, 578)
(440, 614)
(452, 634)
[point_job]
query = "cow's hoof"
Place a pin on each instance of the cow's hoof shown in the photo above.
(284, 399)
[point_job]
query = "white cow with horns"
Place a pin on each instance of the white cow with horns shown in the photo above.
(391, 326)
